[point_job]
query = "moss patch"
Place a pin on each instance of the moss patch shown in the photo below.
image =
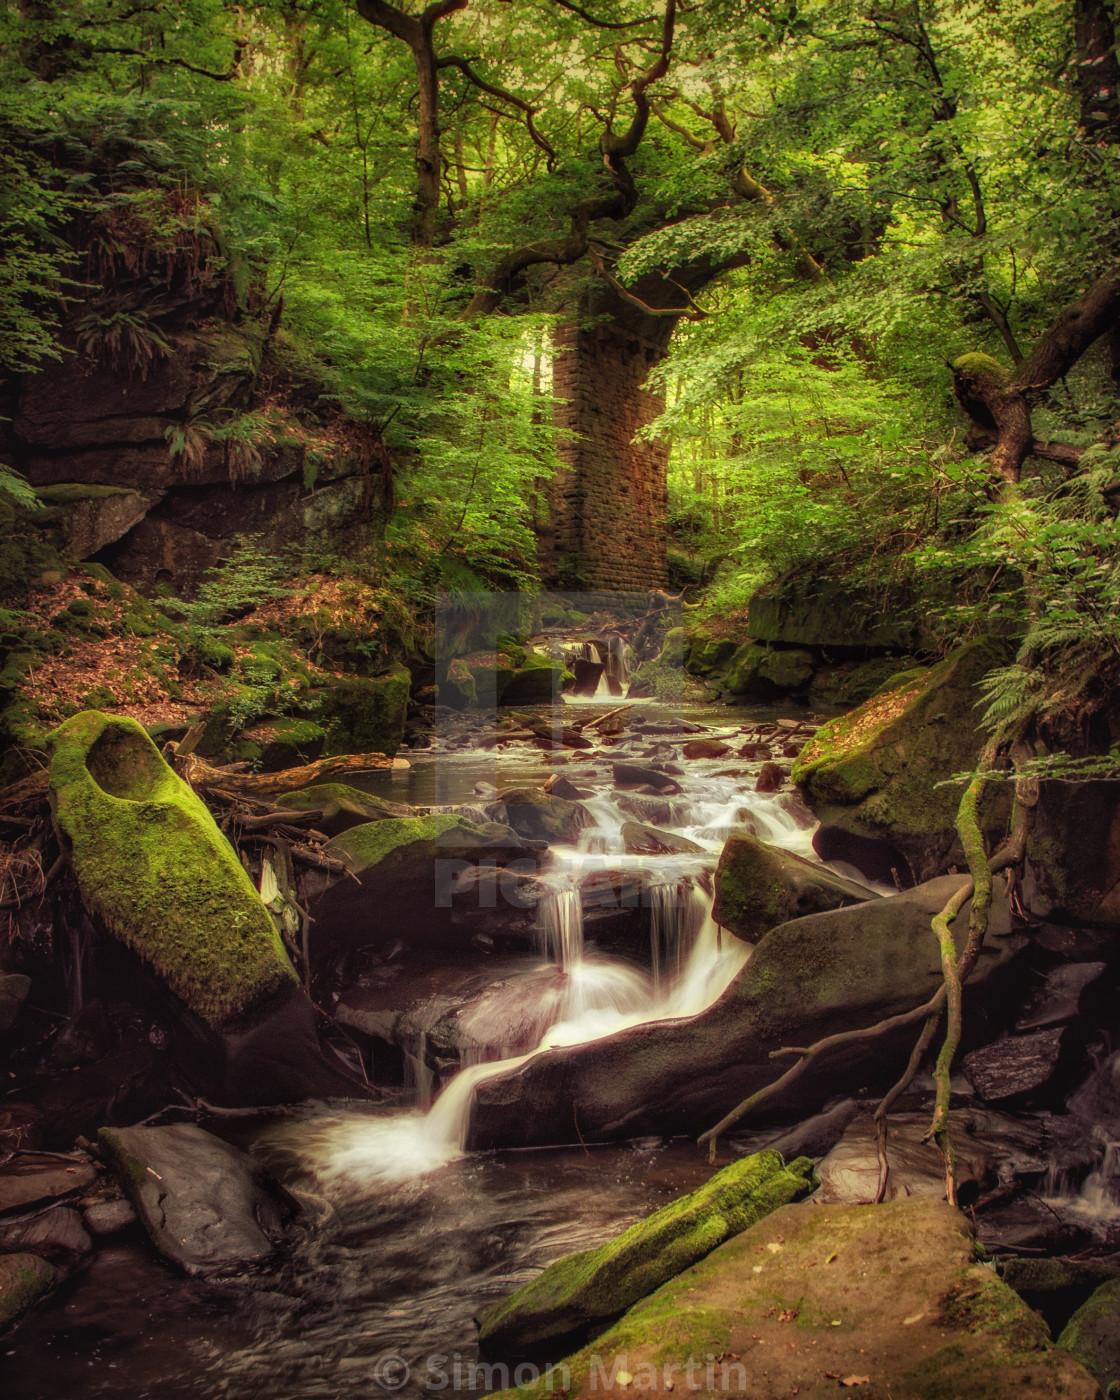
(24, 1278)
(604, 1282)
(153, 866)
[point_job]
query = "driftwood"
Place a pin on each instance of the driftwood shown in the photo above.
(257, 786)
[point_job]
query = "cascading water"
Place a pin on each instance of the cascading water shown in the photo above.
(1094, 1197)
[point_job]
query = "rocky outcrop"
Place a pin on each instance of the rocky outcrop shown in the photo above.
(872, 776)
(885, 1300)
(206, 1206)
(537, 815)
(759, 886)
(599, 1284)
(806, 979)
(338, 807)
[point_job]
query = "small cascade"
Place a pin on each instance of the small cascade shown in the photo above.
(1094, 1196)
(616, 663)
(560, 928)
(676, 913)
(419, 1079)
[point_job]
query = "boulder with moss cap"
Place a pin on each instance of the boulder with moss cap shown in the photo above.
(599, 1284)
(881, 773)
(152, 865)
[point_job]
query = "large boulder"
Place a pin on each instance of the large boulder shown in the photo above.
(205, 1205)
(809, 978)
(538, 680)
(152, 865)
(1092, 1336)
(872, 776)
(402, 878)
(884, 1300)
(759, 886)
(598, 1284)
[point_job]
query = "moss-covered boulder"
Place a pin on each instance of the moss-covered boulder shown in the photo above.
(152, 865)
(340, 807)
(283, 742)
(873, 774)
(602, 1283)
(675, 647)
(537, 681)
(1092, 1336)
(403, 873)
(366, 714)
(708, 654)
(884, 1301)
(24, 1278)
(759, 886)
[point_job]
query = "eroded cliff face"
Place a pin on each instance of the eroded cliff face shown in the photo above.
(155, 470)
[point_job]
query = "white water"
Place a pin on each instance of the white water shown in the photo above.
(1096, 1199)
(594, 996)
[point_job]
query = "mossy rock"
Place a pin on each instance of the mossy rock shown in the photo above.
(874, 773)
(458, 689)
(366, 714)
(539, 816)
(152, 865)
(602, 1283)
(342, 807)
(283, 742)
(707, 655)
(787, 668)
(1092, 1335)
(24, 1278)
(537, 681)
(675, 647)
(742, 675)
(759, 886)
(887, 1300)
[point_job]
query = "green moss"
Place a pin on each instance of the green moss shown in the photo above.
(24, 1278)
(982, 368)
(68, 493)
(675, 647)
(342, 807)
(1092, 1335)
(152, 865)
(885, 758)
(370, 843)
(604, 1282)
(367, 714)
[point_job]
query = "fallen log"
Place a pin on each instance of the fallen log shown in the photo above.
(254, 786)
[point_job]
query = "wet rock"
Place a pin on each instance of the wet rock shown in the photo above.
(50, 1234)
(1028, 1225)
(205, 1205)
(366, 714)
(1013, 1068)
(341, 807)
(30, 1180)
(541, 816)
(559, 786)
(1092, 1336)
(849, 1174)
(1059, 998)
(24, 1278)
(14, 991)
(705, 748)
(875, 771)
(647, 840)
(602, 1283)
(817, 1135)
(108, 1217)
(587, 674)
(770, 778)
(759, 886)
(885, 1300)
(631, 776)
(809, 978)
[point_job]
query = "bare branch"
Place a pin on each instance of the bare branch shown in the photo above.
(453, 61)
(604, 23)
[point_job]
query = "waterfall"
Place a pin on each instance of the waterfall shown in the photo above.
(560, 928)
(418, 1075)
(676, 912)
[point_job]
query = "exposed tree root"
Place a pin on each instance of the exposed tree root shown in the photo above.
(256, 786)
